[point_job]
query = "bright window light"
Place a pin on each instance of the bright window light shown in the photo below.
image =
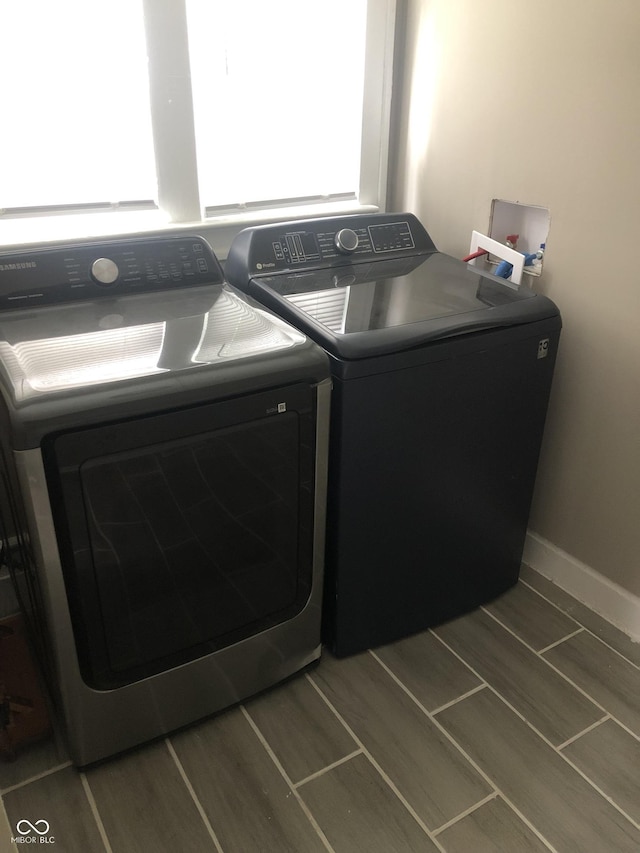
(328, 307)
(278, 95)
(58, 364)
(218, 112)
(74, 95)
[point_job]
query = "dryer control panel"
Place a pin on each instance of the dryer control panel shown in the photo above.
(331, 241)
(106, 268)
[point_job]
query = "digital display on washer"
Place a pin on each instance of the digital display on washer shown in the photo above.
(388, 294)
(391, 237)
(309, 245)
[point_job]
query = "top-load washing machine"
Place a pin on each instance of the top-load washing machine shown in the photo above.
(164, 455)
(441, 380)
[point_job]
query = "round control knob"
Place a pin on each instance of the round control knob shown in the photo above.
(104, 271)
(346, 241)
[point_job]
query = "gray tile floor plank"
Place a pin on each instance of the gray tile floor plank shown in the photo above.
(426, 768)
(144, 804)
(603, 674)
(542, 696)
(531, 617)
(38, 758)
(299, 727)
(553, 796)
(6, 831)
(357, 810)
(428, 670)
(599, 626)
(492, 828)
(60, 799)
(610, 757)
(252, 809)
(243, 794)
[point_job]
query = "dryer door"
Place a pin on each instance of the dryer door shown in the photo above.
(185, 532)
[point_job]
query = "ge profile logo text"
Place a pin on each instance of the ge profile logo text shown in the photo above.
(33, 832)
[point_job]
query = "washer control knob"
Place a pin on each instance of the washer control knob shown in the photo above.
(104, 271)
(346, 241)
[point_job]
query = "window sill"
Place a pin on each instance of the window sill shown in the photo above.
(219, 230)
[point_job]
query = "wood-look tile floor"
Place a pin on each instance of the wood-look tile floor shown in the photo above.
(511, 729)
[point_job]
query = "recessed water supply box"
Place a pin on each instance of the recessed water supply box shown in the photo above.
(529, 222)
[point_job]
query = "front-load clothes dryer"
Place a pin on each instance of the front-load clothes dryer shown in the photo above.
(164, 456)
(441, 379)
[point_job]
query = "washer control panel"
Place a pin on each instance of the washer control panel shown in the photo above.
(317, 243)
(88, 270)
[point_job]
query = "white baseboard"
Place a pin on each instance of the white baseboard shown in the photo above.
(614, 603)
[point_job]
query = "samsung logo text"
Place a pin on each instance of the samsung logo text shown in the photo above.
(25, 265)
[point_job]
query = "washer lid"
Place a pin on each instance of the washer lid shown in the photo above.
(369, 309)
(72, 349)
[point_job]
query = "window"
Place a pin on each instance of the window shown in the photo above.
(219, 113)
(74, 95)
(293, 115)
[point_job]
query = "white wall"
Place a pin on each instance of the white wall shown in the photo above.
(539, 102)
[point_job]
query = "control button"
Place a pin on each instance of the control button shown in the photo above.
(197, 247)
(346, 241)
(104, 271)
(202, 265)
(293, 247)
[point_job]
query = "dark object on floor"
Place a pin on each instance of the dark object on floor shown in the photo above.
(23, 711)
